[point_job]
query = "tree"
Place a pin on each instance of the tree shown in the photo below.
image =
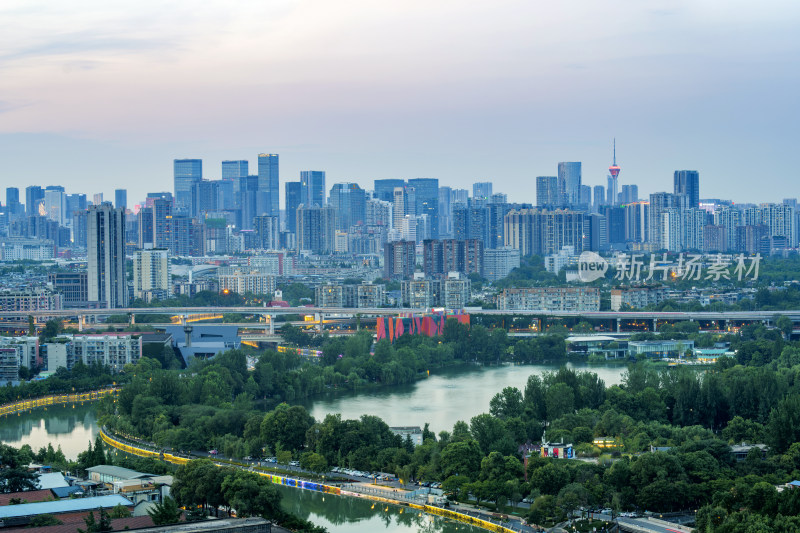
(783, 428)
(461, 458)
(785, 325)
(560, 400)
(14, 474)
(120, 511)
(314, 462)
(43, 520)
(507, 403)
(93, 526)
(165, 512)
(251, 495)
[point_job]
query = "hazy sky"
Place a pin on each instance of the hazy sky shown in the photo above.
(96, 95)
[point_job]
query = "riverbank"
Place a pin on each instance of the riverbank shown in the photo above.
(56, 399)
(149, 450)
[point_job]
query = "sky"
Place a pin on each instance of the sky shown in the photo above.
(97, 95)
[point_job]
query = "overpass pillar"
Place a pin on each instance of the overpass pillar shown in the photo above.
(655, 325)
(81, 322)
(133, 319)
(269, 326)
(619, 325)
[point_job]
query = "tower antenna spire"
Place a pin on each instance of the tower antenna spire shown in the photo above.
(615, 151)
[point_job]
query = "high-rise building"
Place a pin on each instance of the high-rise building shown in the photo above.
(440, 257)
(613, 171)
(13, 207)
(162, 223)
(585, 196)
(472, 223)
(482, 191)
(312, 188)
(445, 210)
(350, 203)
(569, 181)
(151, 276)
(688, 182)
(105, 251)
(637, 221)
(499, 263)
(426, 201)
(400, 259)
(544, 232)
(316, 227)
(145, 217)
(235, 169)
(293, 200)
(55, 204)
(547, 195)
(267, 232)
(384, 188)
(269, 185)
(34, 195)
(186, 173)
(121, 198)
(630, 194)
(660, 203)
(599, 197)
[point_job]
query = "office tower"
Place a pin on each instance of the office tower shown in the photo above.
(384, 188)
(151, 275)
(595, 236)
(293, 200)
(688, 182)
(496, 232)
(232, 170)
(400, 259)
(569, 182)
(55, 204)
(205, 194)
(400, 206)
(267, 232)
(637, 221)
(226, 196)
(312, 188)
(33, 197)
(426, 201)
(630, 194)
(186, 173)
(315, 229)
(106, 256)
(162, 223)
(350, 203)
(547, 194)
(75, 202)
(472, 223)
(482, 191)
(247, 199)
(445, 210)
(79, 228)
(460, 196)
(615, 223)
(121, 198)
(585, 196)
(269, 185)
(499, 198)
(599, 197)
(13, 207)
(145, 229)
(97, 199)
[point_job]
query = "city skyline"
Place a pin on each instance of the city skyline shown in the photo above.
(461, 93)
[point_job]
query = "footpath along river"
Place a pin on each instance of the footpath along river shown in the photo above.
(446, 396)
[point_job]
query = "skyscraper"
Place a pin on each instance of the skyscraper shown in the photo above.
(547, 191)
(482, 190)
(384, 188)
(162, 223)
(121, 198)
(350, 202)
(630, 194)
(312, 188)
(235, 169)
(269, 183)
(426, 200)
(569, 181)
(105, 250)
(33, 197)
(315, 229)
(186, 173)
(599, 197)
(688, 182)
(12, 202)
(293, 200)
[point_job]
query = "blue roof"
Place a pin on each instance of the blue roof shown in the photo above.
(63, 506)
(65, 492)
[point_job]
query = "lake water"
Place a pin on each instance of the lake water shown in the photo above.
(446, 396)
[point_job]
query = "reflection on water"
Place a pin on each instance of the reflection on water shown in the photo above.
(448, 395)
(71, 427)
(342, 514)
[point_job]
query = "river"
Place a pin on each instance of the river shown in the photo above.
(446, 396)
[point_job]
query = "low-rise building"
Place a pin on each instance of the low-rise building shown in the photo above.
(421, 293)
(659, 349)
(252, 282)
(30, 300)
(550, 299)
(637, 297)
(499, 262)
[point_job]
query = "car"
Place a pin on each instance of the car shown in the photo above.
(294, 463)
(213, 452)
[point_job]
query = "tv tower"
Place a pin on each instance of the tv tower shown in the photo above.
(613, 170)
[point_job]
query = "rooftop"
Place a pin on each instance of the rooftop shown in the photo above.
(64, 506)
(117, 471)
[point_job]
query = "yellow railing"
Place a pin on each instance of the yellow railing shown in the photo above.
(55, 399)
(318, 487)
